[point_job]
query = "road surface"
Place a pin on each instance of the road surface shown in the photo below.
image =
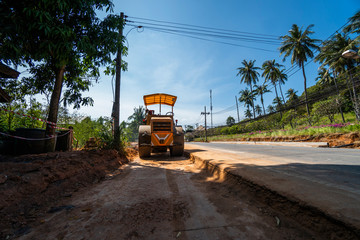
(169, 198)
(329, 166)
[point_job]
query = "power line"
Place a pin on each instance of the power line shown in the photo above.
(209, 40)
(212, 35)
(209, 33)
(202, 27)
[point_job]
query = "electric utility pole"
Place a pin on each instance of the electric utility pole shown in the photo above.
(205, 113)
(116, 106)
(211, 107)
(237, 108)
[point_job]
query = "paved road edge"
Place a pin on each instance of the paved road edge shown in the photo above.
(223, 172)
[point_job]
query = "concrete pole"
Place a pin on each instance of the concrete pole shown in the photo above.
(116, 108)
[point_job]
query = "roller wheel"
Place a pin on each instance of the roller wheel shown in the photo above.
(177, 151)
(144, 152)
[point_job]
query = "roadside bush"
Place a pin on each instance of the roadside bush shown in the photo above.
(327, 108)
(225, 131)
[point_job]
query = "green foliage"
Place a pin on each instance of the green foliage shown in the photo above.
(62, 42)
(230, 121)
(327, 108)
(86, 128)
(10, 121)
(248, 113)
(136, 119)
(290, 118)
(189, 128)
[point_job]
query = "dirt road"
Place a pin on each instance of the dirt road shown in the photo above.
(166, 198)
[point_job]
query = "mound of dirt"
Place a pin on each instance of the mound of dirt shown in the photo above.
(31, 185)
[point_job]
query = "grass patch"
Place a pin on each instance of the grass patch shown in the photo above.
(322, 127)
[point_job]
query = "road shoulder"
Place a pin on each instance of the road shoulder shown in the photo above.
(339, 204)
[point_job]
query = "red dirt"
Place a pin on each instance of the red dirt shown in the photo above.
(334, 139)
(31, 185)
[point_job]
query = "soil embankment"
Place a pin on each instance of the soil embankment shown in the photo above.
(351, 140)
(31, 185)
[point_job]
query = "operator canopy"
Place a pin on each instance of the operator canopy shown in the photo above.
(160, 98)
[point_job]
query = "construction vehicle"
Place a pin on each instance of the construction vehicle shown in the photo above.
(160, 132)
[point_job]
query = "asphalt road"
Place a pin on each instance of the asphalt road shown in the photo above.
(329, 166)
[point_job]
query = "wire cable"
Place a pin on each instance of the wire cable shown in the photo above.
(215, 33)
(209, 40)
(202, 27)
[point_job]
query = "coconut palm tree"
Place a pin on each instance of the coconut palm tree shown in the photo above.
(270, 109)
(249, 75)
(258, 109)
(331, 56)
(354, 25)
(277, 102)
(262, 89)
(291, 95)
(271, 73)
(331, 53)
(300, 46)
(246, 98)
(248, 113)
(324, 77)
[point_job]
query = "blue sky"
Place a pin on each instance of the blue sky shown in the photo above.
(189, 68)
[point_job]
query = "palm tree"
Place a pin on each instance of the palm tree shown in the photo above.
(299, 45)
(354, 25)
(248, 113)
(291, 95)
(258, 109)
(262, 89)
(282, 77)
(331, 53)
(270, 109)
(331, 56)
(246, 98)
(277, 102)
(271, 72)
(137, 117)
(324, 77)
(249, 76)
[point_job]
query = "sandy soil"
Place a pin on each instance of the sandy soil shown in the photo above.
(32, 185)
(165, 198)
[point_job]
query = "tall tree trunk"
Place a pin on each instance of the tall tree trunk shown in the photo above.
(252, 100)
(55, 99)
(306, 97)
(338, 93)
(262, 102)
(282, 95)
(356, 103)
(277, 97)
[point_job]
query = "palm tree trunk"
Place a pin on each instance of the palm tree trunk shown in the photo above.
(282, 95)
(252, 100)
(277, 97)
(356, 104)
(262, 102)
(338, 93)
(306, 97)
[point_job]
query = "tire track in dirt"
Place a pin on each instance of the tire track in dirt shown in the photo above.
(179, 208)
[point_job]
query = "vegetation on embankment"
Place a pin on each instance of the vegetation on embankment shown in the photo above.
(334, 133)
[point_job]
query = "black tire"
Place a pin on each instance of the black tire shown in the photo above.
(144, 152)
(177, 151)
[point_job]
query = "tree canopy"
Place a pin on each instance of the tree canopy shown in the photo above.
(61, 42)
